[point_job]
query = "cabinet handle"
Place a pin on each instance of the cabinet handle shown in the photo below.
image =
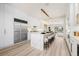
(4, 31)
(71, 47)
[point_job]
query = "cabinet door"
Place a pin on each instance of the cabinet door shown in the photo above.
(16, 32)
(16, 26)
(16, 37)
(1, 25)
(23, 31)
(8, 24)
(23, 27)
(23, 36)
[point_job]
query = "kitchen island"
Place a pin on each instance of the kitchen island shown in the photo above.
(39, 39)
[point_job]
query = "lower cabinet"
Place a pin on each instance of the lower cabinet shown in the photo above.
(77, 50)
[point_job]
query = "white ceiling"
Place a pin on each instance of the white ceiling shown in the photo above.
(34, 9)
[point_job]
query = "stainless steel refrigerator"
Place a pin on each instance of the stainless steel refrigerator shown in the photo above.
(20, 32)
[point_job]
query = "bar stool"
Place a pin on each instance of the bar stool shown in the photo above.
(46, 44)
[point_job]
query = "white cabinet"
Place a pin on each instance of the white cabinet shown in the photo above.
(6, 26)
(37, 40)
(1, 25)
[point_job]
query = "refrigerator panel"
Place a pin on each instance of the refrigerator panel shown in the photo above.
(16, 37)
(23, 27)
(16, 26)
(20, 31)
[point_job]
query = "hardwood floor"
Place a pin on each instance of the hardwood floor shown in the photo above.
(57, 48)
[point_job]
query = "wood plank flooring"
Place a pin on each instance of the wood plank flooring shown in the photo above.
(57, 48)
